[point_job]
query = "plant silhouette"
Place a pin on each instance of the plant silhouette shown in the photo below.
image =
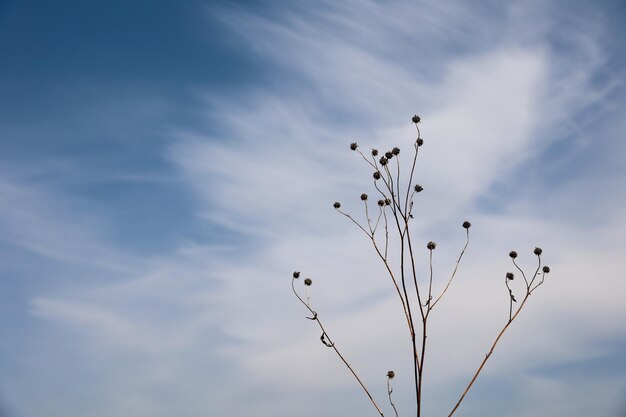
(387, 219)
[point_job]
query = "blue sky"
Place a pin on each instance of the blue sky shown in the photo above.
(165, 166)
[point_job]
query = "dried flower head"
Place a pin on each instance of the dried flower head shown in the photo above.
(374, 152)
(391, 374)
(387, 202)
(383, 161)
(537, 251)
(308, 282)
(415, 119)
(431, 245)
(546, 269)
(381, 202)
(337, 204)
(296, 274)
(510, 276)
(418, 188)
(395, 151)
(513, 254)
(419, 141)
(466, 224)
(388, 155)
(353, 146)
(363, 197)
(377, 175)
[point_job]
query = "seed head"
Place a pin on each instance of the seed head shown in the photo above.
(296, 274)
(418, 188)
(353, 146)
(337, 204)
(308, 282)
(377, 175)
(383, 161)
(466, 224)
(391, 374)
(546, 269)
(513, 254)
(419, 141)
(537, 251)
(415, 119)
(381, 203)
(363, 197)
(387, 202)
(395, 151)
(510, 276)
(431, 245)
(374, 152)
(388, 155)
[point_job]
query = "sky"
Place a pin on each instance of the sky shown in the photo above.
(165, 166)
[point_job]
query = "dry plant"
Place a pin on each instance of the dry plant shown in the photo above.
(389, 219)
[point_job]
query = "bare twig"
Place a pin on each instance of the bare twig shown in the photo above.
(390, 375)
(328, 342)
(508, 323)
(458, 261)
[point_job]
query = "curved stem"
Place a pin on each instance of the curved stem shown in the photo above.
(389, 391)
(334, 346)
(408, 189)
(458, 261)
(488, 355)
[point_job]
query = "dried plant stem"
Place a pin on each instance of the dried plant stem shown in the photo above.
(389, 391)
(523, 274)
(417, 362)
(408, 188)
(506, 282)
(456, 267)
(419, 358)
(430, 281)
(417, 371)
(331, 344)
(504, 328)
(488, 355)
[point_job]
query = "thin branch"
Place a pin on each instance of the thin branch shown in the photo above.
(536, 272)
(511, 298)
(331, 344)
(458, 261)
(488, 355)
(407, 311)
(430, 282)
(389, 391)
(397, 158)
(373, 165)
(389, 184)
(523, 274)
(380, 213)
(367, 217)
(416, 364)
(408, 189)
(395, 283)
(418, 358)
(355, 222)
(386, 234)
(543, 274)
(414, 271)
